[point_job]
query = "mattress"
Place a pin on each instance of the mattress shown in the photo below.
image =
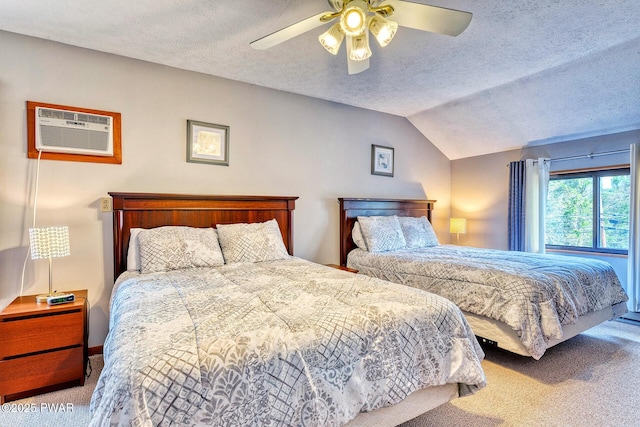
(285, 342)
(536, 296)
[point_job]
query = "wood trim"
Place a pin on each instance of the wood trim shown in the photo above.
(42, 347)
(343, 268)
(33, 153)
(148, 210)
(96, 350)
(351, 208)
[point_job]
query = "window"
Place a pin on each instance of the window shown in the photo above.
(589, 211)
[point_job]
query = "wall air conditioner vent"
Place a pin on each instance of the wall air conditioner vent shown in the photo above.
(62, 131)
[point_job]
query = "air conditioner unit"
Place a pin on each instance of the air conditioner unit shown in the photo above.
(65, 131)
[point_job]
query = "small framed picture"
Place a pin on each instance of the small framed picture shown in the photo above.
(207, 143)
(381, 160)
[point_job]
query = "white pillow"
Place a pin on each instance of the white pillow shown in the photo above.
(418, 232)
(133, 252)
(382, 233)
(358, 238)
(255, 242)
(174, 248)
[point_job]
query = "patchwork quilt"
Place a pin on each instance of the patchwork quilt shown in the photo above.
(278, 343)
(535, 294)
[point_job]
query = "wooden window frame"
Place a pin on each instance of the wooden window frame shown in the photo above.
(33, 153)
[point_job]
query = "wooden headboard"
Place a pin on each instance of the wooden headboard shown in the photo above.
(350, 209)
(148, 210)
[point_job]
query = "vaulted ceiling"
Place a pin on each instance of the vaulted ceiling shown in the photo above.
(523, 72)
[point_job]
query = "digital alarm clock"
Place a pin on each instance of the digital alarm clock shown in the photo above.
(60, 299)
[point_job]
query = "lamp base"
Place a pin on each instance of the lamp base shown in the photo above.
(43, 297)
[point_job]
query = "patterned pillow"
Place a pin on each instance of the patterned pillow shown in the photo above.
(133, 253)
(382, 233)
(174, 248)
(358, 238)
(256, 242)
(418, 232)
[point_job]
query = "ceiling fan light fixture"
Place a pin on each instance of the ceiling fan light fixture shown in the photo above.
(382, 29)
(353, 19)
(360, 47)
(332, 39)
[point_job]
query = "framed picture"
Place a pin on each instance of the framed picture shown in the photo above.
(207, 143)
(381, 160)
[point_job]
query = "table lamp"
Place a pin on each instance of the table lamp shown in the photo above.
(49, 242)
(458, 226)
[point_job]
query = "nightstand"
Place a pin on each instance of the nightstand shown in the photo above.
(339, 267)
(42, 347)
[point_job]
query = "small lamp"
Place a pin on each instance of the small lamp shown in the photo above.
(332, 38)
(383, 30)
(360, 47)
(458, 226)
(49, 242)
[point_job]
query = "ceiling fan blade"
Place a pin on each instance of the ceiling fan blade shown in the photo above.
(356, 67)
(289, 32)
(429, 18)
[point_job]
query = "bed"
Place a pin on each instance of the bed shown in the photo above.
(521, 302)
(226, 327)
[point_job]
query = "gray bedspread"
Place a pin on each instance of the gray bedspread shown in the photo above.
(534, 294)
(280, 343)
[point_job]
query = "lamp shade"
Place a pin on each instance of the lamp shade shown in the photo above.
(383, 30)
(458, 225)
(332, 39)
(360, 47)
(49, 242)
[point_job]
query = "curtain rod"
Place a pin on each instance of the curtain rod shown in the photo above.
(590, 156)
(586, 156)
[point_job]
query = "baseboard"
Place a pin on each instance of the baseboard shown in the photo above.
(632, 315)
(629, 321)
(95, 350)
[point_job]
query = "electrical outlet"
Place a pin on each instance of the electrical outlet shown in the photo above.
(105, 204)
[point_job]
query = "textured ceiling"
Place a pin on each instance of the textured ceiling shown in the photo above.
(523, 72)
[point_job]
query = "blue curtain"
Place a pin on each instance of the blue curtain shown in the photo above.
(516, 219)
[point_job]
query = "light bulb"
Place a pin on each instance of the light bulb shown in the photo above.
(354, 18)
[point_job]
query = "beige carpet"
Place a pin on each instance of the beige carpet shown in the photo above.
(591, 380)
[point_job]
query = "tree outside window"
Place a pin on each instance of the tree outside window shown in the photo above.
(589, 211)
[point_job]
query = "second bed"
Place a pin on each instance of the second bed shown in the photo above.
(521, 302)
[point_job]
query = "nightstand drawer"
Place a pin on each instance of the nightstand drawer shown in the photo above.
(39, 333)
(41, 370)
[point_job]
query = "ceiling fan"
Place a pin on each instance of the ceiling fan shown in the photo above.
(355, 19)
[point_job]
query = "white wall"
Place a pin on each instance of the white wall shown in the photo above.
(280, 144)
(479, 192)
